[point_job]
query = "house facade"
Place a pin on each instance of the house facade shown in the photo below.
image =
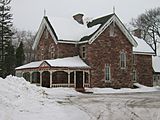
(109, 55)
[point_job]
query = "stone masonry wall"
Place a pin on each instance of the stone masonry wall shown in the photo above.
(143, 67)
(106, 50)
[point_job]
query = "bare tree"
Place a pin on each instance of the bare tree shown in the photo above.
(149, 25)
(28, 38)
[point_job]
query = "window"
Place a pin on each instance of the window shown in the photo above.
(112, 30)
(107, 73)
(83, 52)
(123, 60)
(134, 59)
(134, 76)
(52, 51)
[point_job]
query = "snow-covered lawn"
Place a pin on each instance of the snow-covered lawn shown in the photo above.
(20, 100)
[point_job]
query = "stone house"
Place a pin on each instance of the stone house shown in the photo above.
(107, 55)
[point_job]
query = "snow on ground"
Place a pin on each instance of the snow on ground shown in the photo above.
(123, 90)
(20, 100)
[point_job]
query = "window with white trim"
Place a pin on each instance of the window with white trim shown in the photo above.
(107, 72)
(122, 60)
(134, 76)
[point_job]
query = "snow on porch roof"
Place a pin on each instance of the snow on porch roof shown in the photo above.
(156, 63)
(68, 62)
(69, 29)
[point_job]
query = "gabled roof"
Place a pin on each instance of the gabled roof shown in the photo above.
(142, 48)
(45, 23)
(105, 22)
(69, 31)
(68, 62)
(156, 63)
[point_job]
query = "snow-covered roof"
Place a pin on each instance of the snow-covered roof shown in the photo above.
(142, 48)
(69, 29)
(156, 63)
(30, 65)
(68, 62)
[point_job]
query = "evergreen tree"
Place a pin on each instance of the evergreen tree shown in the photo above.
(20, 57)
(9, 60)
(5, 37)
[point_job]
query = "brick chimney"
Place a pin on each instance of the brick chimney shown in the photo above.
(137, 33)
(79, 18)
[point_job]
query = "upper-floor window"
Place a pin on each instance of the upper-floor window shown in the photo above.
(83, 52)
(122, 60)
(52, 51)
(112, 30)
(107, 72)
(134, 59)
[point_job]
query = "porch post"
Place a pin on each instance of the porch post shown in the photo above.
(83, 78)
(40, 78)
(89, 78)
(30, 77)
(75, 79)
(50, 79)
(69, 79)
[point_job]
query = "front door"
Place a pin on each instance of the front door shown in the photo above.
(79, 79)
(46, 79)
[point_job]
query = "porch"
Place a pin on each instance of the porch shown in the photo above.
(57, 78)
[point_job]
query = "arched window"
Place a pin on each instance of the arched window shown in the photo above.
(122, 60)
(107, 72)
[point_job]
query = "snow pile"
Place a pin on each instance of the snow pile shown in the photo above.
(140, 88)
(20, 100)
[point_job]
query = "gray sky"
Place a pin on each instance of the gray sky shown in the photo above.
(28, 14)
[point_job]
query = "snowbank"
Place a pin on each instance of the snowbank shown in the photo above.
(141, 88)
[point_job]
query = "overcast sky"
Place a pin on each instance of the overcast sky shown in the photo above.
(27, 14)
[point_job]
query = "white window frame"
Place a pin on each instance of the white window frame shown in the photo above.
(123, 59)
(107, 72)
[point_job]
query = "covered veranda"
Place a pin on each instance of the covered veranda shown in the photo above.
(65, 72)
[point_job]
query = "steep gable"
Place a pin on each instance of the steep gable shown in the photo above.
(44, 24)
(105, 22)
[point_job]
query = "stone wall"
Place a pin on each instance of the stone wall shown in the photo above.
(106, 50)
(45, 46)
(143, 67)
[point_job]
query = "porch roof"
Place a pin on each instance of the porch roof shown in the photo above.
(68, 62)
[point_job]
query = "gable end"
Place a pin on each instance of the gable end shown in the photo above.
(45, 23)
